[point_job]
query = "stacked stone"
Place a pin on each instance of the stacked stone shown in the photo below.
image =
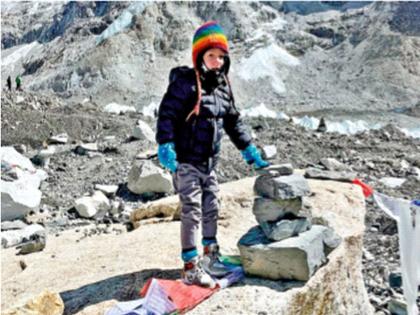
(285, 245)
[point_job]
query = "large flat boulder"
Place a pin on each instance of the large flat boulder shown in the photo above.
(92, 273)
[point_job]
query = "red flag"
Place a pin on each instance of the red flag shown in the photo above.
(367, 190)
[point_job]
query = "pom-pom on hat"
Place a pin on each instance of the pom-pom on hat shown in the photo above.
(209, 35)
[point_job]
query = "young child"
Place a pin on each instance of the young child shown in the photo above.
(196, 108)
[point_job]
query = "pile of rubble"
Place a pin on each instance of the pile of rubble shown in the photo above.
(29, 100)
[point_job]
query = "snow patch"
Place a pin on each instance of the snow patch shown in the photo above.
(414, 132)
(306, 122)
(114, 108)
(123, 21)
(150, 109)
(283, 116)
(267, 30)
(259, 111)
(350, 127)
(277, 24)
(263, 63)
(346, 127)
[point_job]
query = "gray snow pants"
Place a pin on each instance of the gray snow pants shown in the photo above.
(198, 195)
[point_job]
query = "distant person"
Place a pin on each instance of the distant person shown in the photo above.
(9, 83)
(197, 106)
(322, 127)
(18, 83)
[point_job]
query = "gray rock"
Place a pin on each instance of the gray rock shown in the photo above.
(147, 154)
(47, 152)
(19, 192)
(146, 177)
(266, 209)
(333, 165)
(42, 158)
(15, 237)
(395, 280)
(269, 152)
(21, 148)
(404, 165)
(109, 146)
(283, 229)
(116, 207)
(84, 148)
(13, 225)
(92, 154)
(9, 173)
(108, 190)
(33, 246)
(294, 258)
(276, 170)
(282, 187)
(331, 241)
(330, 175)
(125, 216)
(368, 255)
(42, 161)
(397, 307)
(61, 138)
(88, 207)
(142, 131)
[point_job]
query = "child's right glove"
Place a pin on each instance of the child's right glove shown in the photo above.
(252, 155)
(167, 156)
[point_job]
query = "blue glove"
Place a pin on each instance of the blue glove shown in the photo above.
(167, 156)
(252, 155)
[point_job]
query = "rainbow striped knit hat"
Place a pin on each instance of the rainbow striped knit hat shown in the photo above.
(209, 35)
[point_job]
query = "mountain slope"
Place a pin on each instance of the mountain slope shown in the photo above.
(354, 59)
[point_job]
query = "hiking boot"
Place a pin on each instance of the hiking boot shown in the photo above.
(211, 263)
(193, 273)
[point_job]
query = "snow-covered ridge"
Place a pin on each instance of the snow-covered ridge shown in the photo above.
(414, 132)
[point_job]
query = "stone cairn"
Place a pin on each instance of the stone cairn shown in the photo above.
(285, 244)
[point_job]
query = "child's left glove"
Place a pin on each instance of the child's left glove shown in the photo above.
(167, 156)
(252, 155)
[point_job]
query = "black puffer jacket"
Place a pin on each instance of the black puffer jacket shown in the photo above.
(197, 141)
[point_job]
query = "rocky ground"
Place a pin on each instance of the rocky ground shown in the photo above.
(386, 152)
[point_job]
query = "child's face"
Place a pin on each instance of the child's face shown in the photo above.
(214, 58)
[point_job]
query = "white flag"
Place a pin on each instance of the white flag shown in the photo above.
(409, 243)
